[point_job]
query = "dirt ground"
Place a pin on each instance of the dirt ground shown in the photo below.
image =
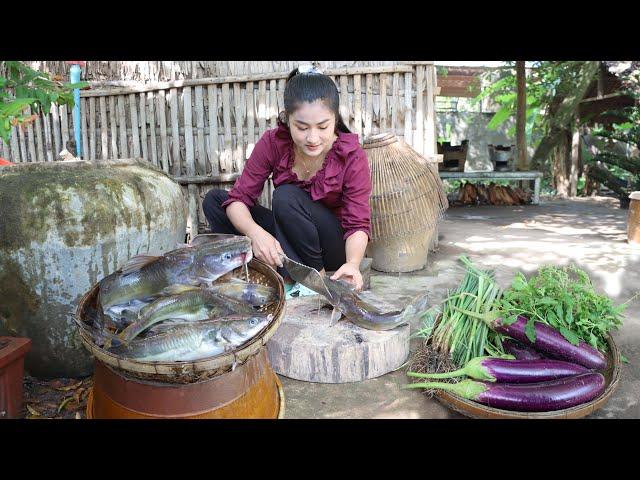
(58, 398)
(588, 232)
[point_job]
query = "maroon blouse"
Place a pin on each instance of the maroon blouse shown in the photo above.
(343, 183)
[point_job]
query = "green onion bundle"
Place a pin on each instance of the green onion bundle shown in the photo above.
(459, 335)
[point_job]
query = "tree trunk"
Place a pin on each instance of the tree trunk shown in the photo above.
(521, 117)
(575, 160)
(561, 165)
(591, 185)
(602, 175)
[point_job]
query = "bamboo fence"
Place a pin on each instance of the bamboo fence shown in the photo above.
(201, 130)
(128, 73)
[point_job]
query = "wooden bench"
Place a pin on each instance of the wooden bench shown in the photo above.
(534, 176)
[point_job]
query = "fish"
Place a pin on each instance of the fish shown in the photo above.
(255, 294)
(193, 341)
(345, 301)
(95, 326)
(218, 238)
(192, 305)
(121, 316)
(147, 277)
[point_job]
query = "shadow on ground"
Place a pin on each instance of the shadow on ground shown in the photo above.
(590, 233)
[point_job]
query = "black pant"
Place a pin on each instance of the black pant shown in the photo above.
(308, 231)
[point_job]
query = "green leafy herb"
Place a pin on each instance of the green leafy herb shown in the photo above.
(565, 299)
(570, 336)
(530, 330)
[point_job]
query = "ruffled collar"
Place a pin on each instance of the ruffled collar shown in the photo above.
(327, 178)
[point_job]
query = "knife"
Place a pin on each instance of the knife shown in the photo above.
(307, 276)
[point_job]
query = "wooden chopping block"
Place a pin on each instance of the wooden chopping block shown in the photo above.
(305, 347)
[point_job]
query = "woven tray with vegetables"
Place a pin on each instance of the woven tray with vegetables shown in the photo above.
(541, 347)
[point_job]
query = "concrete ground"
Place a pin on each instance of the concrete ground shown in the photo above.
(589, 232)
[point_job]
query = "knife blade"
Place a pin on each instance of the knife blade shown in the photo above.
(307, 276)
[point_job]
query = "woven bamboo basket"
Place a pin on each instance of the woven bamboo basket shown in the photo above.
(197, 370)
(407, 201)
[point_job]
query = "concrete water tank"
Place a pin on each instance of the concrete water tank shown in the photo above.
(63, 227)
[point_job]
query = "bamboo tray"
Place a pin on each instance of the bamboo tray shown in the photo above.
(473, 409)
(190, 371)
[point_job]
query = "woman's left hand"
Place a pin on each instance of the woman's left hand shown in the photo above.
(351, 273)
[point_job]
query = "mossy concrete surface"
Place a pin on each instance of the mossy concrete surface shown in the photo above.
(590, 233)
(64, 227)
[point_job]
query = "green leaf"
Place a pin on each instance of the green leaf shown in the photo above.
(21, 91)
(569, 316)
(519, 282)
(546, 301)
(570, 336)
(624, 126)
(498, 119)
(509, 320)
(15, 107)
(530, 330)
(506, 98)
(5, 130)
(624, 359)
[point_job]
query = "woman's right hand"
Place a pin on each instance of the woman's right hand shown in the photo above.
(265, 246)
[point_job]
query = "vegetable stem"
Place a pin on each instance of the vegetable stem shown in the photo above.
(456, 373)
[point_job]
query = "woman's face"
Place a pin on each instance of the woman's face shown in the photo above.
(312, 127)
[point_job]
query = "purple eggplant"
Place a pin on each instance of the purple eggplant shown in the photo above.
(531, 397)
(493, 369)
(520, 351)
(549, 341)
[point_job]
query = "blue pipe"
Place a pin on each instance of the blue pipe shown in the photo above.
(75, 77)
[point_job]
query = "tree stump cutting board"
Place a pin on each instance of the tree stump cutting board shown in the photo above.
(305, 346)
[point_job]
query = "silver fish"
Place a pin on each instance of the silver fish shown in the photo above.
(193, 305)
(365, 315)
(195, 340)
(122, 316)
(147, 277)
(254, 294)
